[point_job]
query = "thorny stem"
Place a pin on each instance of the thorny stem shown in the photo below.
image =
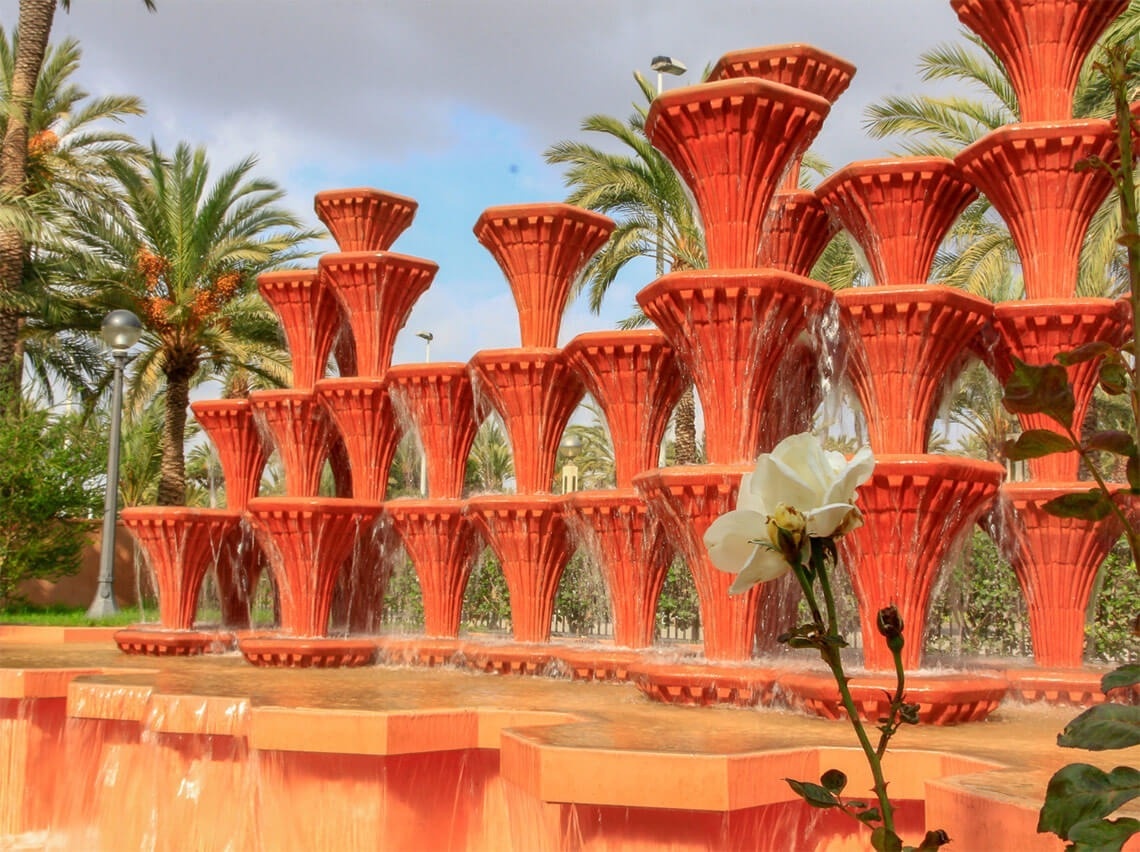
(830, 653)
(892, 723)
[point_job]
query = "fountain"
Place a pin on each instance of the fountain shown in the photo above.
(405, 757)
(636, 380)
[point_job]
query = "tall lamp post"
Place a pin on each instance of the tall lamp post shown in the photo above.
(664, 65)
(427, 338)
(121, 331)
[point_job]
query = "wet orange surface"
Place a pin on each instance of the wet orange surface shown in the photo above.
(563, 743)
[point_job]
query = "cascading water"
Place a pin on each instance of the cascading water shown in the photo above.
(741, 331)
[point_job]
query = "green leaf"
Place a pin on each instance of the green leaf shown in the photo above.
(1040, 390)
(869, 816)
(1084, 352)
(1091, 505)
(1132, 471)
(1111, 441)
(1128, 675)
(833, 780)
(1079, 792)
(813, 794)
(883, 840)
(1113, 378)
(1102, 727)
(1103, 835)
(1035, 443)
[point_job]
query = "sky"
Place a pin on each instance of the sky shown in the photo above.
(453, 102)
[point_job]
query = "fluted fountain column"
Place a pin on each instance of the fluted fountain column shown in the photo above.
(541, 248)
(181, 544)
(309, 316)
(730, 330)
(1042, 44)
(687, 500)
(302, 432)
(535, 392)
(308, 541)
(1028, 172)
(362, 413)
(916, 511)
(242, 453)
(1037, 330)
(438, 402)
(440, 539)
(364, 219)
(902, 345)
(1056, 561)
(529, 535)
(731, 142)
(801, 66)
(377, 291)
(898, 211)
(636, 380)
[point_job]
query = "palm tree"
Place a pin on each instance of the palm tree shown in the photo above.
(184, 255)
(69, 143)
(33, 29)
(489, 464)
(654, 217)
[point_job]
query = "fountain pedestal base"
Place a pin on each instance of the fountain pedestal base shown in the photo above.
(705, 684)
(307, 652)
(1072, 687)
(156, 642)
(942, 699)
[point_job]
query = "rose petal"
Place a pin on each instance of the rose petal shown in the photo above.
(825, 520)
(730, 539)
(767, 565)
(778, 482)
(748, 499)
(858, 471)
(804, 455)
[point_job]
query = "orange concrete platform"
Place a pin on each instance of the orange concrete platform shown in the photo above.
(213, 753)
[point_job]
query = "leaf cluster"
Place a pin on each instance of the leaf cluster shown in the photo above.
(49, 481)
(1045, 389)
(827, 794)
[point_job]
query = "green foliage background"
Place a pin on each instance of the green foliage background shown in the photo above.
(50, 483)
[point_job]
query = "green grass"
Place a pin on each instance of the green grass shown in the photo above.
(58, 616)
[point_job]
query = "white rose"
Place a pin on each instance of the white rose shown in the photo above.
(799, 474)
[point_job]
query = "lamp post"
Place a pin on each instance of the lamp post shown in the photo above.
(121, 331)
(664, 65)
(427, 338)
(571, 448)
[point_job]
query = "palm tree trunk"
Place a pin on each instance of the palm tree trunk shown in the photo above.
(685, 429)
(32, 32)
(172, 476)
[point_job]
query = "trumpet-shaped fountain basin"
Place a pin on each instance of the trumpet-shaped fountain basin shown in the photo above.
(364, 219)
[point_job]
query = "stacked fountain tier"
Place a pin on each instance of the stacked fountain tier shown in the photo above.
(736, 325)
(762, 342)
(1029, 172)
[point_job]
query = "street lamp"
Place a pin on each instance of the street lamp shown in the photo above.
(121, 331)
(427, 338)
(664, 65)
(571, 449)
